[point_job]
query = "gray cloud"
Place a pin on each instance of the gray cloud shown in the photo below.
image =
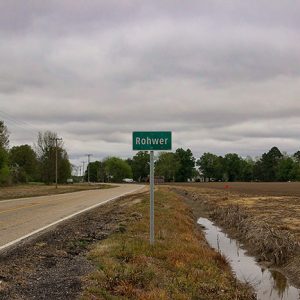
(223, 76)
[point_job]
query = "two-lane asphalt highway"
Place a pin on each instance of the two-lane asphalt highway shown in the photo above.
(21, 218)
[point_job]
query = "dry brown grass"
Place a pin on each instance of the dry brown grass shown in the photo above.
(33, 190)
(278, 212)
(179, 266)
(268, 224)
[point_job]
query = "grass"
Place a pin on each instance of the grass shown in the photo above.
(267, 224)
(278, 212)
(34, 190)
(179, 266)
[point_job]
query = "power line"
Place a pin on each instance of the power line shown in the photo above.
(17, 122)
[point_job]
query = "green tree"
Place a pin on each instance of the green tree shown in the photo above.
(187, 165)
(46, 154)
(167, 165)
(258, 170)
(5, 176)
(24, 161)
(64, 166)
(95, 171)
(232, 165)
(4, 169)
(102, 172)
(296, 156)
(210, 166)
(117, 169)
(288, 169)
(129, 161)
(247, 169)
(140, 166)
(269, 164)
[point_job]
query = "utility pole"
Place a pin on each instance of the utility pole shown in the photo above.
(88, 166)
(56, 139)
(83, 162)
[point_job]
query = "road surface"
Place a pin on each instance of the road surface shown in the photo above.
(20, 218)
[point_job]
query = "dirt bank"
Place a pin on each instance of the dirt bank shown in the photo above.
(51, 266)
(265, 225)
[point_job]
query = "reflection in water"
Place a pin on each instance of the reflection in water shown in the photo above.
(280, 282)
(268, 284)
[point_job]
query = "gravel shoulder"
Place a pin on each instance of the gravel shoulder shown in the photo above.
(51, 265)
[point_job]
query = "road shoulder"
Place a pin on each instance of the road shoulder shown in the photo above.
(51, 265)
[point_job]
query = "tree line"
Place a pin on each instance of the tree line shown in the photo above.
(271, 166)
(21, 164)
(25, 163)
(181, 166)
(178, 166)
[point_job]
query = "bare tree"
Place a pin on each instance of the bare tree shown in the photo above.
(4, 136)
(46, 153)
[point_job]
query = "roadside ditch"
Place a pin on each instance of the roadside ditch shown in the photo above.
(273, 248)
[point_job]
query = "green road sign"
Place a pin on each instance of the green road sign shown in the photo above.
(152, 140)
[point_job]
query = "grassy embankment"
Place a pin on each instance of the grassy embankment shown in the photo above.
(179, 266)
(33, 190)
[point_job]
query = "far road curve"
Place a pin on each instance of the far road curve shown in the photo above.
(20, 218)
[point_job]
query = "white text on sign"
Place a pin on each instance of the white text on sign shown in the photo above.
(151, 141)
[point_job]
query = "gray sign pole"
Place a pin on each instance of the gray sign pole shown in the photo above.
(151, 197)
(150, 141)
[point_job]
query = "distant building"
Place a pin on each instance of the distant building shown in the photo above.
(157, 179)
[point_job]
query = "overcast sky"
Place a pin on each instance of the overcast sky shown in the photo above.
(223, 76)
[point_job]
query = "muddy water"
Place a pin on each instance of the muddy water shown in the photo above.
(268, 284)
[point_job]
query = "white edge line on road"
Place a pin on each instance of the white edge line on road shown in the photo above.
(65, 218)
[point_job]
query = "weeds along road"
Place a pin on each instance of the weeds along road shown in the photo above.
(20, 218)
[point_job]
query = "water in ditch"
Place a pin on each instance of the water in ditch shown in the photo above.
(268, 284)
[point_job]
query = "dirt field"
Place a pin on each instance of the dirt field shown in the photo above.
(32, 190)
(253, 188)
(264, 216)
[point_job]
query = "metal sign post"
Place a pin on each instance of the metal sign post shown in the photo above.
(151, 140)
(151, 197)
